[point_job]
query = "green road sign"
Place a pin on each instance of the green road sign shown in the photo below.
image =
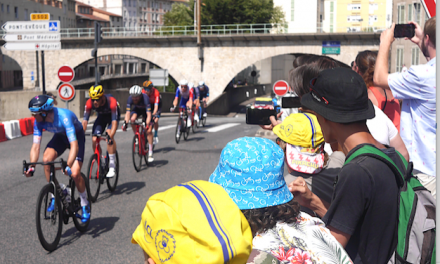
(331, 50)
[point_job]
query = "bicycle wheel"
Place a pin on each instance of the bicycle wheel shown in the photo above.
(186, 130)
(178, 129)
(203, 121)
(112, 182)
(49, 224)
(194, 126)
(76, 205)
(146, 147)
(93, 177)
(136, 154)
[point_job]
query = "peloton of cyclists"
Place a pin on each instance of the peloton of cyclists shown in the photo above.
(68, 133)
(186, 99)
(138, 105)
(204, 98)
(108, 116)
(156, 100)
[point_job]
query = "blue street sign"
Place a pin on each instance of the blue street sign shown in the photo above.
(331, 43)
(53, 26)
(32, 78)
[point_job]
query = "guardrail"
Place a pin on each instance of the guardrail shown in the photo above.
(166, 31)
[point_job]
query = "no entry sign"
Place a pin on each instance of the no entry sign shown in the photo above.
(280, 87)
(66, 92)
(66, 74)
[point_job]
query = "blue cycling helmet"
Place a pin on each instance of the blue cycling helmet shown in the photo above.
(40, 103)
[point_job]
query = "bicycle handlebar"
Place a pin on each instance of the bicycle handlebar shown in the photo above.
(52, 163)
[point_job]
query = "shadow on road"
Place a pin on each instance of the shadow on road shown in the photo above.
(158, 163)
(125, 188)
(97, 226)
(195, 139)
(201, 150)
(164, 150)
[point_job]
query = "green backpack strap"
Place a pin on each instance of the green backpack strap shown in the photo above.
(374, 152)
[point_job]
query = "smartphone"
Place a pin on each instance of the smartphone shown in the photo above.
(404, 31)
(255, 116)
(290, 102)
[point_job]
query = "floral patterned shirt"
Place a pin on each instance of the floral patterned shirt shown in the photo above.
(307, 241)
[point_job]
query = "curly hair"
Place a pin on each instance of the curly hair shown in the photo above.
(366, 61)
(263, 219)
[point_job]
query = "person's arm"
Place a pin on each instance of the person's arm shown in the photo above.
(88, 109)
(176, 98)
(340, 236)
(380, 77)
(114, 110)
(397, 143)
(306, 198)
(128, 109)
(147, 109)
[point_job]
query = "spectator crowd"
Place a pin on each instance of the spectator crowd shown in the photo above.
(334, 205)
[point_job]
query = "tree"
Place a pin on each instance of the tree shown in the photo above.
(179, 15)
(219, 12)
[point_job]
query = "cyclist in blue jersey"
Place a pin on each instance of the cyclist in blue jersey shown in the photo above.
(204, 97)
(138, 105)
(68, 133)
(186, 95)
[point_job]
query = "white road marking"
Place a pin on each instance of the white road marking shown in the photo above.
(166, 127)
(220, 128)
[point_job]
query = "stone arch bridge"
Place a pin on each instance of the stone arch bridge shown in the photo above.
(224, 55)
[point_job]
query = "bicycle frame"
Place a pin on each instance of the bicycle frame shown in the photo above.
(140, 133)
(98, 150)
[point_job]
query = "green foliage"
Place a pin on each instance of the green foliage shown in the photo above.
(180, 15)
(219, 12)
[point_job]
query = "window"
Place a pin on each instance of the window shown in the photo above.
(401, 14)
(415, 56)
(3, 8)
(332, 7)
(399, 59)
(354, 7)
(372, 20)
(129, 2)
(26, 15)
(16, 12)
(7, 9)
(417, 13)
(134, 3)
(372, 8)
(292, 10)
(410, 12)
(353, 18)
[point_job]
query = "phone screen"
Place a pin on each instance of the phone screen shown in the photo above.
(290, 102)
(255, 116)
(404, 31)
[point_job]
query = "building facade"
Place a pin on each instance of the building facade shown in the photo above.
(357, 15)
(404, 52)
(86, 15)
(301, 16)
(140, 15)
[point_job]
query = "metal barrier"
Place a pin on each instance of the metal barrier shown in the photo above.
(166, 31)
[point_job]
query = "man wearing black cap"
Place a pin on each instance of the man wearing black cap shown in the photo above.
(363, 212)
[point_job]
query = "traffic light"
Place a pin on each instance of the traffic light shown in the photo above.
(98, 33)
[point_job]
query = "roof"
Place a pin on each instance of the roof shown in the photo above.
(91, 17)
(98, 10)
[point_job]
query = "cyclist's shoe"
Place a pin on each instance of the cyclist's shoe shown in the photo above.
(196, 117)
(85, 213)
(205, 114)
(111, 173)
(150, 157)
(155, 140)
(136, 141)
(178, 134)
(52, 205)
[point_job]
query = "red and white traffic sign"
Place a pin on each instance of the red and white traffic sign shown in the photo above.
(280, 87)
(429, 6)
(66, 92)
(66, 74)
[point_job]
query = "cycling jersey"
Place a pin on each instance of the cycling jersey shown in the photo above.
(204, 93)
(64, 122)
(111, 107)
(142, 107)
(184, 96)
(196, 94)
(154, 96)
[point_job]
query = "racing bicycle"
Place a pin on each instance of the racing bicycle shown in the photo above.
(140, 145)
(98, 169)
(50, 224)
(182, 124)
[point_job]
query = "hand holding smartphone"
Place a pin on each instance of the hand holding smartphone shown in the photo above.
(404, 31)
(255, 116)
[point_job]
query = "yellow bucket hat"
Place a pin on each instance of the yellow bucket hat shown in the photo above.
(194, 222)
(301, 129)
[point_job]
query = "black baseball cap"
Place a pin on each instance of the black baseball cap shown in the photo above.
(339, 95)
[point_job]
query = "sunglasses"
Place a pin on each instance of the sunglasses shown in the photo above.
(95, 100)
(315, 93)
(35, 113)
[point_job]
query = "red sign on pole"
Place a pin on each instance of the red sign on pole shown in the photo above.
(66, 92)
(280, 88)
(429, 6)
(66, 74)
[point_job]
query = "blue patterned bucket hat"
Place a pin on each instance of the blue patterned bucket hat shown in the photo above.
(251, 171)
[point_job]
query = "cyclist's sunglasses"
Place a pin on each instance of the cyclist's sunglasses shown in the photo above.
(95, 100)
(315, 93)
(35, 113)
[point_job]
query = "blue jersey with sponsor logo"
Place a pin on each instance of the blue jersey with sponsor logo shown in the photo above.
(204, 92)
(65, 122)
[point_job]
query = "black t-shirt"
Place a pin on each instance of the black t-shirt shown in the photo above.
(365, 205)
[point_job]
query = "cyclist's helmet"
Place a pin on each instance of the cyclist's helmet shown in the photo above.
(147, 85)
(135, 90)
(40, 103)
(96, 92)
(201, 83)
(190, 85)
(183, 82)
